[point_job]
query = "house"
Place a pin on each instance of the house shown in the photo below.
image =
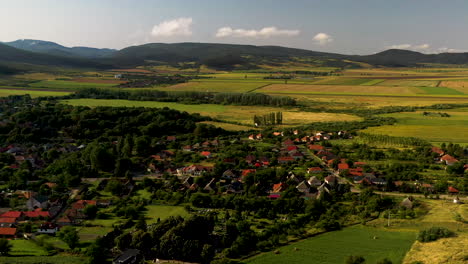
(229, 174)
(316, 148)
(211, 186)
(331, 180)
(288, 142)
(452, 190)
(206, 154)
(8, 232)
(37, 214)
(81, 204)
(314, 181)
(295, 132)
(206, 144)
(250, 159)
(230, 161)
(171, 138)
(215, 143)
(407, 203)
(259, 136)
(314, 170)
(7, 221)
(187, 148)
(13, 214)
(194, 170)
(64, 221)
(277, 134)
(279, 187)
(449, 160)
(343, 166)
(285, 159)
(247, 172)
(297, 155)
(48, 228)
(303, 187)
(129, 256)
(438, 151)
(265, 161)
(252, 137)
(37, 201)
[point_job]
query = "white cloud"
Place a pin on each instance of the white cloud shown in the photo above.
(177, 27)
(400, 46)
(424, 48)
(322, 39)
(265, 32)
(448, 50)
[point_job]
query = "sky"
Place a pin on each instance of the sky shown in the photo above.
(340, 26)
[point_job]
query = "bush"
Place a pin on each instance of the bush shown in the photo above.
(434, 233)
(355, 260)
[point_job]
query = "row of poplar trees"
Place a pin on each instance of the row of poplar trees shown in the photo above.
(274, 118)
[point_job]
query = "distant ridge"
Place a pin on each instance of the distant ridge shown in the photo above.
(53, 48)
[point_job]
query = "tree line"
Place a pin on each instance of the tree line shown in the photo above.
(274, 118)
(189, 97)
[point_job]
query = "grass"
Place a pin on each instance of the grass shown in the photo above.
(57, 259)
(89, 234)
(440, 90)
(337, 89)
(240, 114)
(162, 212)
(334, 247)
(23, 247)
(215, 86)
(416, 83)
(373, 82)
(229, 127)
(71, 85)
(432, 128)
(34, 93)
(346, 81)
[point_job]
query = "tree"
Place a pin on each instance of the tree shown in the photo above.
(70, 236)
(5, 247)
(90, 211)
(115, 187)
(96, 252)
(385, 261)
(355, 260)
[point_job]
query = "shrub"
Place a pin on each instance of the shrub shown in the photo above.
(355, 260)
(434, 233)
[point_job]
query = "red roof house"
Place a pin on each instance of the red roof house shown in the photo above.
(7, 232)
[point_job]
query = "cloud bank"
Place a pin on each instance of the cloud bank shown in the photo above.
(177, 27)
(265, 32)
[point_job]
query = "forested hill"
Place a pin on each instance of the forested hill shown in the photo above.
(53, 48)
(13, 57)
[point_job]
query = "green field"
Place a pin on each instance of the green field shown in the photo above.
(89, 234)
(334, 247)
(58, 259)
(432, 128)
(162, 212)
(7, 92)
(440, 90)
(69, 85)
(216, 86)
(23, 247)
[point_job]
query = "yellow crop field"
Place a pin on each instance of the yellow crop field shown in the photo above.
(425, 83)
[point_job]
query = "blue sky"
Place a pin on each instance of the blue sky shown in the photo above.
(342, 26)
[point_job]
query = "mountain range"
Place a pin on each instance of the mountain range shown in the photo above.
(36, 52)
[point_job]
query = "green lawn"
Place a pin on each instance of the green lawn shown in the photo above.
(23, 247)
(433, 128)
(60, 84)
(334, 247)
(7, 92)
(89, 234)
(57, 259)
(162, 212)
(440, 90)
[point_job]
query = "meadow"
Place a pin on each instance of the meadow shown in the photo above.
(33, 93)
(162, 212)
(333, 247)
(57, 259)
(231, 113)
(432, 128)
(69, 85)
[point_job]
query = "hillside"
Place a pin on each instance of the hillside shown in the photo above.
(14, 56)
(53, 48)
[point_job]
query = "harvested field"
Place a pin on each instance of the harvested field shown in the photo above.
(337, 89)
(409, 83)
(461, 86)
(218, 86)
